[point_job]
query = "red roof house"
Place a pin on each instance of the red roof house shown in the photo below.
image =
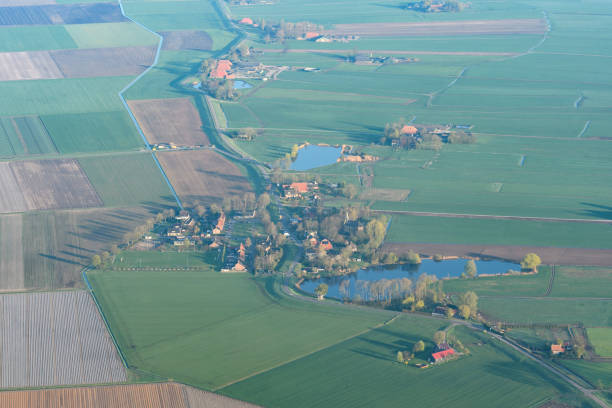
(326, 245)
(220, 224)
(247, 21)
(442, 355)
(221, 70)
(409, 130)
(299, 187)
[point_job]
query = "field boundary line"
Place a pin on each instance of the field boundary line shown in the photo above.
(126, 106)
(495, 217)
(386, 322)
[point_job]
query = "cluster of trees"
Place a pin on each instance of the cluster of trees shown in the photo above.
(248, 133)
(427, 292)
(470, 270)
(405, 356)
(245, 203)
(270, 252)
(278, 32)
(105, 258)
(221, 88)
(468, 305)
(382, 291)
(431, 6)
(392, 134)
(459, 137)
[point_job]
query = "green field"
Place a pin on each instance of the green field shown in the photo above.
(590, 312)
(174, 15)
(593, 372)
(528, 285)
(128, 179)
(24, 135)
(90, 132)
(211, 329)
(55, 96)
(166, 259)
(363, 372)
(582, 282)
(33, 38)
(406, 228)
(601, 339)
(110, 35)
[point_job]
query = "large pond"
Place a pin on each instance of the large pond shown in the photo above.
(445, 269)
(312, 156)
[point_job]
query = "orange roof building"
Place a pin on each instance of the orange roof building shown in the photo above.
(221, 70)
(220, 224)
(442, 355)
(557, 348)
(409, 130)
(326, 245)
(247, 21)
(299, 187)
(311, 35)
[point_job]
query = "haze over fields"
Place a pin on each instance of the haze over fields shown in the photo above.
(286, 203)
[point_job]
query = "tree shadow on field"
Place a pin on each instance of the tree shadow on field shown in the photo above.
(391, 6)
(58, 259)
(596, 210)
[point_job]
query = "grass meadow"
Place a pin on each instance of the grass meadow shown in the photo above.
(110, 35)
(514, 285)
(166, 259)
(590, 312)
(575, 281)
(492, 375)
(209, 329)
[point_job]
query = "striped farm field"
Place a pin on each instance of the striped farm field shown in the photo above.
(24, 135)
(164, 395)
(55, 338)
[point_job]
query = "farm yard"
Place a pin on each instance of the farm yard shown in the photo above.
(203, 176)
(55, 339)
(163, 395)
(169, 121)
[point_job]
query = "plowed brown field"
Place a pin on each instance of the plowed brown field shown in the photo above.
(169, 120)
(166, 395)
(203, 176)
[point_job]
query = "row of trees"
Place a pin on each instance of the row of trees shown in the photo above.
(278, 32)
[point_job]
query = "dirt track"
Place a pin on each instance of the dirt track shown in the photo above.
(549, 255)
(443, 28)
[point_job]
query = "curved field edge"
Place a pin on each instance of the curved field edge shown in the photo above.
(212, 329)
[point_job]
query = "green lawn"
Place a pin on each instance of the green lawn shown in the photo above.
(128, 179)
(567, 311)
(601, 339)
(90, 132)
(210, 329)
(363, 372)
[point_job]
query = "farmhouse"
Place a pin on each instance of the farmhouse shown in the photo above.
(557, 349)
(246, 21)
(326, 245)
(295, 190)
(222, 69)
(409, 130)
(311, 35)
(442, 355)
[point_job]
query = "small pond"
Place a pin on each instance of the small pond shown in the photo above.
(445, 269)
(312, 156)
(242, 85)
